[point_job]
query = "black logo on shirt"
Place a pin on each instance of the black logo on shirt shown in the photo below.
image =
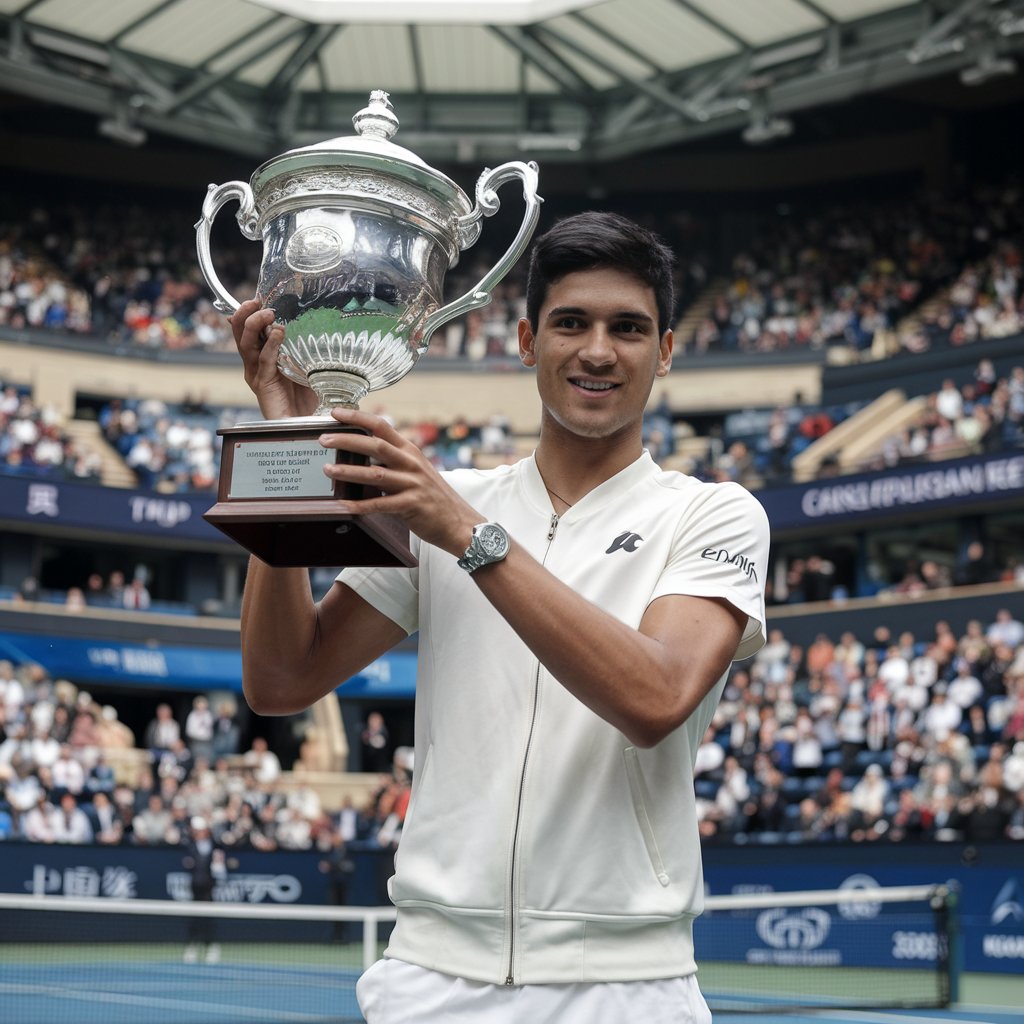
(721, 555)
(626, 542)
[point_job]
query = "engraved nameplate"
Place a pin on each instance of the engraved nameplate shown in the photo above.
(283, 469)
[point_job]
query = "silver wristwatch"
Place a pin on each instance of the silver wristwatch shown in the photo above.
(490, 543)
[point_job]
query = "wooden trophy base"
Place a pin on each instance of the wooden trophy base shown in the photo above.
(274, 499)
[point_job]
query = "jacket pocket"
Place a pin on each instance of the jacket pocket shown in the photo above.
(641, 804)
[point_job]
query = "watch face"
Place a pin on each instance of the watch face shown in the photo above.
(493, 540)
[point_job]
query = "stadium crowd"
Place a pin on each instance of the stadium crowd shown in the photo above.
(843, 274)
(128, 275)
(879, 738)
(854, 273)
(66, 777)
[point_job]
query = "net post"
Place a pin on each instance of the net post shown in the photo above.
(369, 940)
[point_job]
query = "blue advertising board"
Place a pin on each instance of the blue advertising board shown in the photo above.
(156, 873)
(957, 484)
(110, 510)
(84, 660)
(961, 484)
(989, 880)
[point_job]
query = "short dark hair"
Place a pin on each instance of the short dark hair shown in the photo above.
(590, 240)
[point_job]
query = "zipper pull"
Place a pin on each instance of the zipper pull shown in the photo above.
(552, 527)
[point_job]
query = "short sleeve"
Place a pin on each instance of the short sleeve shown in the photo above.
(721, 551)
(394, 592)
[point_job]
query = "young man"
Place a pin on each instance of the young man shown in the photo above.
(577, 614)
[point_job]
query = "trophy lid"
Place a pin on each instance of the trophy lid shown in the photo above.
(368, 154)
(375, 125)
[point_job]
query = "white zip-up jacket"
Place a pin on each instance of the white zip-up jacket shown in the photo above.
(540, 844)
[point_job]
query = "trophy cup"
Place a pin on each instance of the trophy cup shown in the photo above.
(357, 236)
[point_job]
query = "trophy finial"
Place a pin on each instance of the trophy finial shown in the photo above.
(377, 120)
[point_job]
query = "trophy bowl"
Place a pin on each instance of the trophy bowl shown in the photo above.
(358, 234)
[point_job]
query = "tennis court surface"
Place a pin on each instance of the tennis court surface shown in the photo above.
(162, 990)
(775, 957)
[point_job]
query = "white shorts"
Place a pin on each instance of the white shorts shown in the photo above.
(394, 992)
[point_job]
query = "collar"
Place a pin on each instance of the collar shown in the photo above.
(602, 495)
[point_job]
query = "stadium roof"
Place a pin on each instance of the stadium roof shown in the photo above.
(575, 80)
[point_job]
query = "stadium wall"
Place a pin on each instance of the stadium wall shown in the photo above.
(918, 373)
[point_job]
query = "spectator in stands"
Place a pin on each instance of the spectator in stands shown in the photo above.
(111, 733)
(37, 825)
(375, 743)
(852, 730)
(175, 763)
(163, 732)
(83, 736)
(67, 773)
(975, 566)
(44, 748)
(942, 717)
(263, 761)
(116, 588)
(107, 827)
(965, 688)
(70, 823)
(226, 734)
(154, 825)
(199, 727)
(869, 795)
(808, 755)
(101, 778)
(12, 693)
(136, 595)
(1005, 630)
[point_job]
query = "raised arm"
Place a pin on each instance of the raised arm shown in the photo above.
(293, 650)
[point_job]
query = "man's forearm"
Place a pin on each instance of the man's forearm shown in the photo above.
(645, 681)
(278, 632)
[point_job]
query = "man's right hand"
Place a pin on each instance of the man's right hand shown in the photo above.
(258, 340)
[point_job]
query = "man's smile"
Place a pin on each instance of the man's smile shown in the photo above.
(592, 385)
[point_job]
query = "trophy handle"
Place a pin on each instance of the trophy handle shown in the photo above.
(487, 204)
(216, 197)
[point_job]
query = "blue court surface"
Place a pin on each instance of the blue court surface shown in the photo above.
(175, 993)
(104, 990)
(965, 1015)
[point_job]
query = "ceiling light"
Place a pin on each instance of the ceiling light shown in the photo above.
(120, 129)
(989, 66)
(765, 128)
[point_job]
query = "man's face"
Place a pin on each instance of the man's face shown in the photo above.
(597, 351)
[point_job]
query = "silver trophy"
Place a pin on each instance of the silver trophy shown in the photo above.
(357, 234)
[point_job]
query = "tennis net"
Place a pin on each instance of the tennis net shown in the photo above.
(867, 948)
(105, 961)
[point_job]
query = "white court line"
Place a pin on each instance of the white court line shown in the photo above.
(53, 992)
(894, 1018)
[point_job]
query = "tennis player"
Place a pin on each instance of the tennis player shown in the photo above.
(577, 612)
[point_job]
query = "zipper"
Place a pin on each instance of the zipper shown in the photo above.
(514, 867)
(552, 526)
